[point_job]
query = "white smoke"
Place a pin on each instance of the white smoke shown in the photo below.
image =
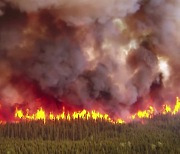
(81, 11)
(165, 16)
(86, 51)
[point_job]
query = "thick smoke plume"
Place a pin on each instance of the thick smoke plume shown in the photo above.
(106, 54)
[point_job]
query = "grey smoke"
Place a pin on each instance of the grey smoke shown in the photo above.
(90, 53)
(80, 11)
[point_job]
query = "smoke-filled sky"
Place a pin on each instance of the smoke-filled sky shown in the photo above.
(110, 54)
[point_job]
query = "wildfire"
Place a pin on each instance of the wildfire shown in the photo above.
(144, 114)
(151, 111)
(84, 114)
(43, 115)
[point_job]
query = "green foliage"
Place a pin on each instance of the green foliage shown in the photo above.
(159, 135)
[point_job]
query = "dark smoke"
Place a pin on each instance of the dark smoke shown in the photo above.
(89, 54)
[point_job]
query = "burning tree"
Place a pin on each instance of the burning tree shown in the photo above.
(79, 63)
(108, 56)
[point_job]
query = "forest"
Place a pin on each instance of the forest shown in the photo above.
(158, 135)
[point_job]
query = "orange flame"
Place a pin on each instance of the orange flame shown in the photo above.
(41, 114)
(149, 113)
(177, 106)
(84, 115)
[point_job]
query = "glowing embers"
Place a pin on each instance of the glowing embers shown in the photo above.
(41, 114)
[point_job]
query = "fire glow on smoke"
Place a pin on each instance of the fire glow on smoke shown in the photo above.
(99, 59)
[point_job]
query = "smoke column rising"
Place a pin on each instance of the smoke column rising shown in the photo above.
(110, 54)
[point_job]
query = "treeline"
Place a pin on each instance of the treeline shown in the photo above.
(60, 130)
(158, 135)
